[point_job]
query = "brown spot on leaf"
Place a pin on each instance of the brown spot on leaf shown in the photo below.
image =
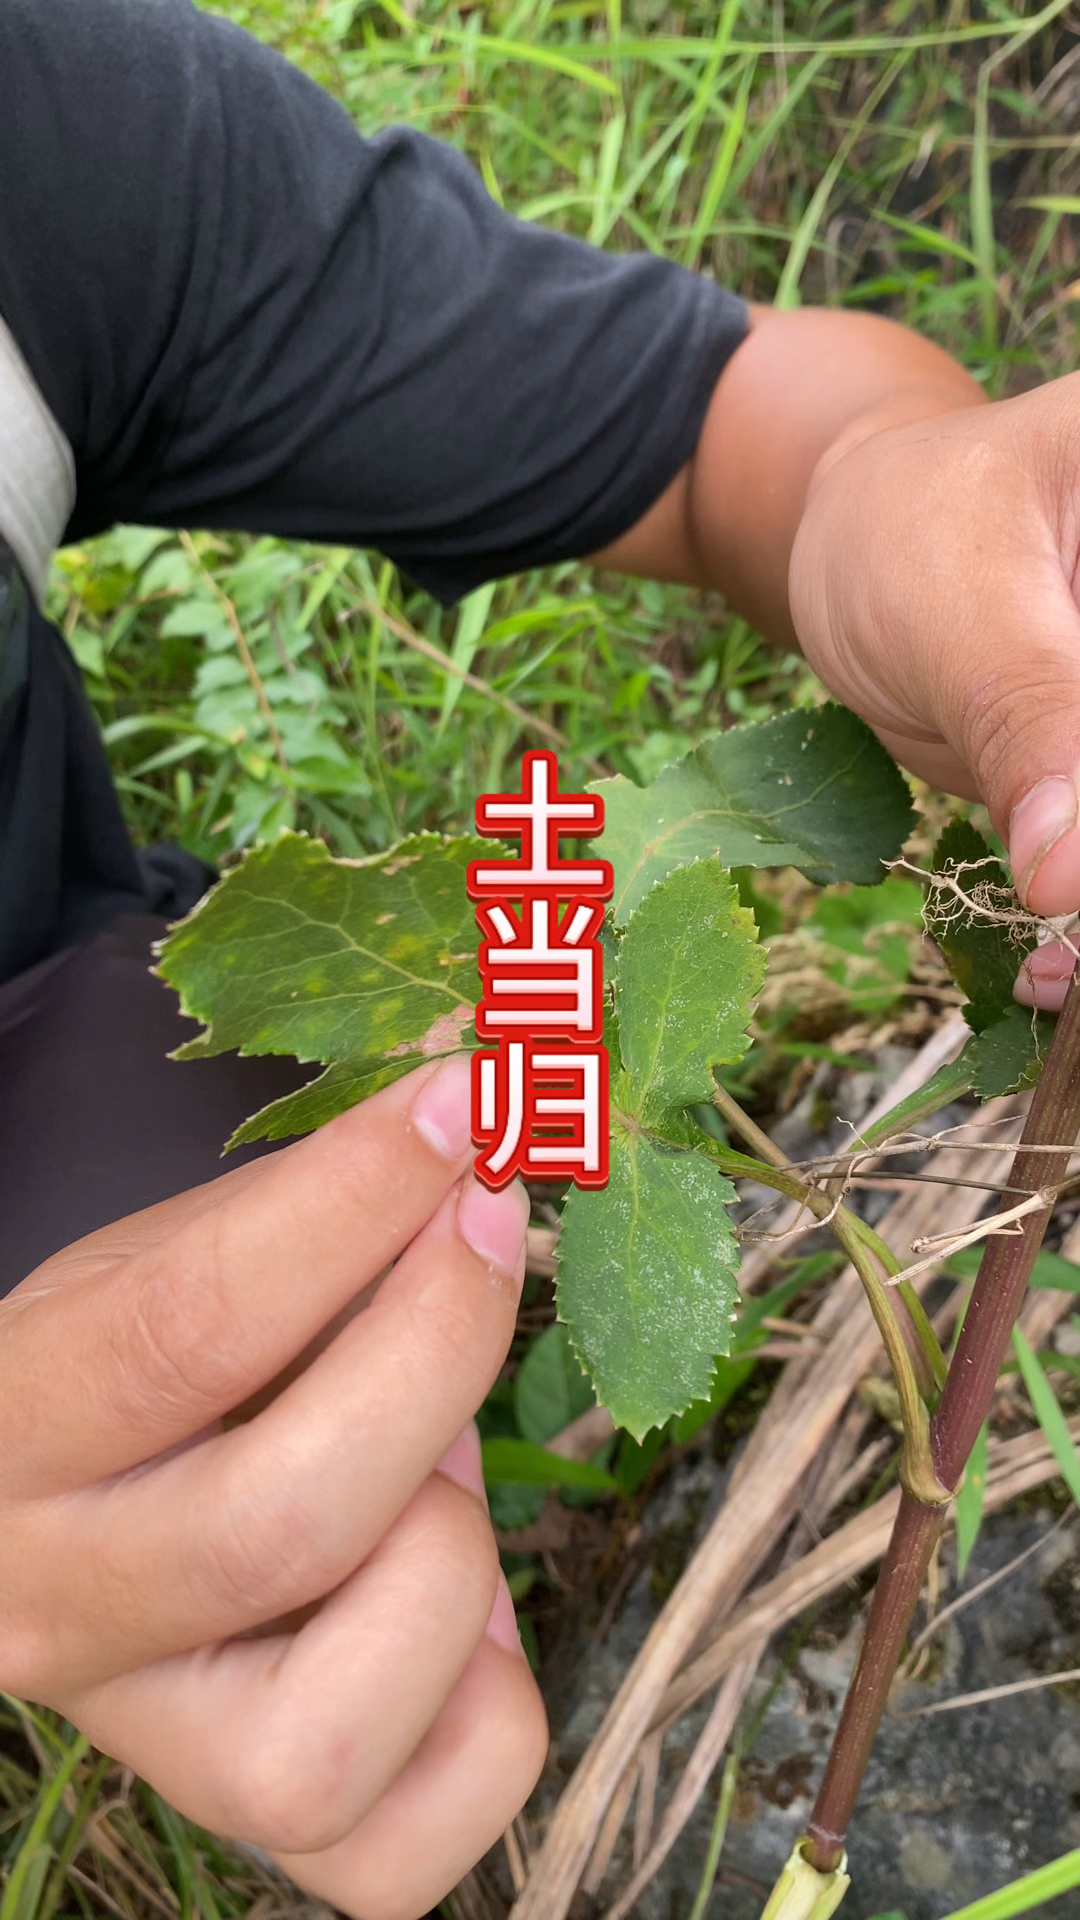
(443, 1036)
(395, 866)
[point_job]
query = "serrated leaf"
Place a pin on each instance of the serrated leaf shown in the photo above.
(329, 1093)
(646, 1279)
(981, 958)
(367, 966)
(688, 972)
(812, 789)
(1008, 1057)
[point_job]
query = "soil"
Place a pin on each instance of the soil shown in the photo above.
(955, 1804)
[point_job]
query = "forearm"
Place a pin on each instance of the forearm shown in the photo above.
(802, 388)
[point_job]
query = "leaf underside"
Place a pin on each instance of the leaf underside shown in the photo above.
(366, 966)
(811, 789)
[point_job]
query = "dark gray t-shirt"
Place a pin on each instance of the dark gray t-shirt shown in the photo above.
(243, 314)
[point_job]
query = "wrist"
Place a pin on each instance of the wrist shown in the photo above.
(903, 408)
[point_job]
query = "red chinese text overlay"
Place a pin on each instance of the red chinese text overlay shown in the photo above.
(540, 1094)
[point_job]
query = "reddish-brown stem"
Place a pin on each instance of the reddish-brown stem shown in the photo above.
(995, 1301)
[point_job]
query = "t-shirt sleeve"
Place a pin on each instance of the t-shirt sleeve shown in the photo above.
(244, 314)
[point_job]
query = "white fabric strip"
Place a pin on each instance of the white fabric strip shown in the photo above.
(37, 469)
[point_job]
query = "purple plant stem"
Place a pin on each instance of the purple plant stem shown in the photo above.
(996, 1299)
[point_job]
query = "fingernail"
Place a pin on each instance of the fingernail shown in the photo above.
(1045, 977)
(442, 1110)
(494, 1223)
(461, 1461)
(502, 1627)
(1042, 825)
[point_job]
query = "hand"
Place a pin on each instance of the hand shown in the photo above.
(933, 587)
(153, 1555)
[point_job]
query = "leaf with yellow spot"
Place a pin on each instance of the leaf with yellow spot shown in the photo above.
(365, 966)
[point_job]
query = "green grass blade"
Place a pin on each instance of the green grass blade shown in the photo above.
(56, 1891)
(706, 86)
(611, 145)
(720, 175)
(27, 1873)
(949, 1083)
(1049, 1415)
(728, 1783)
(472, 619)
(968, 1507)
(982, 204)
(1024, 1894)
(787, 292)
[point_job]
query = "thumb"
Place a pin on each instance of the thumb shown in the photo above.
(1017, 728)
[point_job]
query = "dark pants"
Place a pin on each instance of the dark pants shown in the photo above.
(95, 1120)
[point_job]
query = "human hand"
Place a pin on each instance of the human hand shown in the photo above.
(377, 1744)
(933, 585)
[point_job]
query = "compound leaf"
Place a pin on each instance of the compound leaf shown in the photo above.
(811, 789)
(368, 966)
(689, 969)
(981, 958)
(646, 1279)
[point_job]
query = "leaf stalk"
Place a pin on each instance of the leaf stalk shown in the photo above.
(863, 1247)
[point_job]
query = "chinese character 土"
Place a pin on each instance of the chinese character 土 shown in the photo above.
(540, 1094)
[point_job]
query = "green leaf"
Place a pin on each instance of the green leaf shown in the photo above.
(1049, 1414)
(1007, 1057)
(982, 959)
(968, 1506)
(646, 1279)
(550, 1389)
(949, 1083)
(1026, 1894)
(522, 1463)
(1050, 1269)
(688, 972)
(368, 966)
(329, 1093)
(811, 789)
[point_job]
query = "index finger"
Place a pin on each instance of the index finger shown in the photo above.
(182, 1327)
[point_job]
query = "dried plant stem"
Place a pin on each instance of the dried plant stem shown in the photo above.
(995, 1303)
